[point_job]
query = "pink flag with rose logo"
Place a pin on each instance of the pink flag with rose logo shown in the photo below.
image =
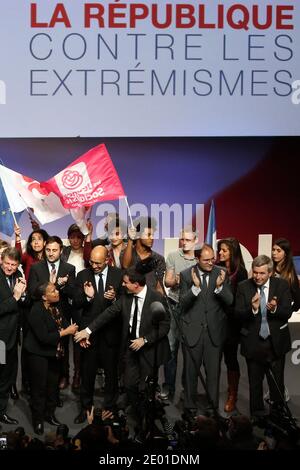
(89, 179)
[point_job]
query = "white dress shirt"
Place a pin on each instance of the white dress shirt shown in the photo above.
(141, 299)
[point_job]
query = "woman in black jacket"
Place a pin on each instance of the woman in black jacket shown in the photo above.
(230, 256)
(45, 351)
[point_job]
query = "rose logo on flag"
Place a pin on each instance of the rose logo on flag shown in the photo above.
(71, 179)
(75, 178)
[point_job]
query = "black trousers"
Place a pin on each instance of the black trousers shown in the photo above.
(44, 375)
(8, 374)
(99, 355)
(204, 352)
(258, 368)
(136, 369)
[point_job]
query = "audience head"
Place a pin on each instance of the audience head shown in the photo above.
(262, 268)
(47, 292)
(3, 246)
(75, 237)
(282, 257)
(98, 259)
(145, 227)
(117, 232)
(188, 238)
(36, 243)
(230, 254)
(11, 259)
(53, 248)
(133, 281)
(206, 257)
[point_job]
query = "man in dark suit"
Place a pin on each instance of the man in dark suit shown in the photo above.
(144, 344)
(263, 306)
(204, 293)
(12, 292)
(62, 274)
(96, 289)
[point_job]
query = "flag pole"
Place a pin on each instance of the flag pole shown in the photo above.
(12, 213)
(129, 212)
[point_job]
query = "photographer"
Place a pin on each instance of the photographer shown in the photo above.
(99, 434)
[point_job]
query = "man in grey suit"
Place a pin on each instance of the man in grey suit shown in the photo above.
(204, 293)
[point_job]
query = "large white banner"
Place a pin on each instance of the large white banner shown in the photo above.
(143, 68)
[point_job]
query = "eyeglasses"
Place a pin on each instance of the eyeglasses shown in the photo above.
(96, 263)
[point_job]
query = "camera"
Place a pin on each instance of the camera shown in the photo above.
(118, 424)
(3, 442)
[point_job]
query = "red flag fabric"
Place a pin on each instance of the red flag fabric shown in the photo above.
(89, 179)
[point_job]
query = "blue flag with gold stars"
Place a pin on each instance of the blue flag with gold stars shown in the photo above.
(6, 218)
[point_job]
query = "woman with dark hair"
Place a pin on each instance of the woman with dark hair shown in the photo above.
(230, 256)
(34, 251)
(45, 351)
(284, 267)
(116, 233)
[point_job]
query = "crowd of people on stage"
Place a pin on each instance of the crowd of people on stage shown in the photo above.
(128, 311)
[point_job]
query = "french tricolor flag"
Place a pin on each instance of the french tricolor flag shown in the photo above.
(211, 234)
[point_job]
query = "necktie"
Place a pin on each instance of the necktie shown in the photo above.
(53, 269)
(204, 282)
(11, 283)
(100, 287)
(134, 320)
(264, 331)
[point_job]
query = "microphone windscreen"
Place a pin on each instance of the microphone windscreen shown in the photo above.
(158, 311)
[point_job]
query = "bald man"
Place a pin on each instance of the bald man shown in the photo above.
(97, 287)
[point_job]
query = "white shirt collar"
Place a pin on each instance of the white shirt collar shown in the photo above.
(142, 294)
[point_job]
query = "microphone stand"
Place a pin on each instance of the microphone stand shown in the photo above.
(285, 409)
(152, 382)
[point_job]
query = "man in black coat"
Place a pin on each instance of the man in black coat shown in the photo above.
(62, 274)
(12, 292)
(263, 306)
(96, 289)
(145, 326)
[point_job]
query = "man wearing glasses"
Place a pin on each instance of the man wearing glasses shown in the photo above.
(97, 287)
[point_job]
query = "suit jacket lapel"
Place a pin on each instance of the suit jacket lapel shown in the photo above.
(61, 271)
(4, 282)
(146, 306)
(45, 270)
(129, 300)
(271, 289)
(108, 278)
(91, 278)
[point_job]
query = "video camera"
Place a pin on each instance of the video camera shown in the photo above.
(118, 425)
(282, 429)
(3, 442)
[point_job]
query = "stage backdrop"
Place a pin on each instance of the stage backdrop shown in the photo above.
(193, 68)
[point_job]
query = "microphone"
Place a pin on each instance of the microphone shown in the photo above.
(158, 312)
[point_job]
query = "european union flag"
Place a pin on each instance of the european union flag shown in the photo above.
(6, 218)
